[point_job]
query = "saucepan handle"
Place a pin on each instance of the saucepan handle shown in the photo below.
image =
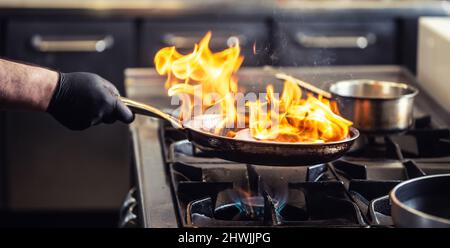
(283, 76)
(304, 85)
(145, 109)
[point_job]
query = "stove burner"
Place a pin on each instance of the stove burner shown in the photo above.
(237, 207)
(325, 203)
(308, 203)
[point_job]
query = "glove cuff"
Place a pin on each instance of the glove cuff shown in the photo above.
(56, 94)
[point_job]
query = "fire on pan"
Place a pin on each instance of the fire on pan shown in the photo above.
(266, 130)
(207, 85)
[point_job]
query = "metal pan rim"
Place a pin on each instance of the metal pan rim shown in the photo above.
(354, 134)
(394, 199)
(414, 91)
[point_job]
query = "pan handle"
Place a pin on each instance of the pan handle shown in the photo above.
(145, 109)
(302, 84)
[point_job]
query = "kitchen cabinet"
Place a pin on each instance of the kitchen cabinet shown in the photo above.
(50, 167)
(103, 47)
(335, 43)
(253, 38)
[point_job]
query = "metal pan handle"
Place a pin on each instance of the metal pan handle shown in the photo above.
(302, 84)
(145, 109)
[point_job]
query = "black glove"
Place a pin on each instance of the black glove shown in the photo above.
(84, 99)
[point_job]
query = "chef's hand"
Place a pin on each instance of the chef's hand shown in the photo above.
(83, 99)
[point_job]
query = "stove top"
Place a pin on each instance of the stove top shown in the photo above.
(180, 185)
(346, 192)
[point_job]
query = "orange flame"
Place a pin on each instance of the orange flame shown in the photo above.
(204, 79)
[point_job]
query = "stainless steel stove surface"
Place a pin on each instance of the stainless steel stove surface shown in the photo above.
(178, 185)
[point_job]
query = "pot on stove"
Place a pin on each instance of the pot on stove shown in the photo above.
(376, 107)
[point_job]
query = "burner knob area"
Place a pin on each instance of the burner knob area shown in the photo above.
(128, 217)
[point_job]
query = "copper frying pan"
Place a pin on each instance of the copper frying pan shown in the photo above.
(253, 152)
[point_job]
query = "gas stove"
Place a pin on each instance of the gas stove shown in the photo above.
(177, 185)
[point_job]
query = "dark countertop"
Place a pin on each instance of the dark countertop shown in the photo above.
(143, 84)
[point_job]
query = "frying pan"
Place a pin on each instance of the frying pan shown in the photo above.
(422, 202)
(253, 152)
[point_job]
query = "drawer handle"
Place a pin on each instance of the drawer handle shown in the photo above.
(187, 42)
(360, 42)
(71, 44)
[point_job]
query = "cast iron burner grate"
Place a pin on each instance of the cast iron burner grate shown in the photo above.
(421, 141)
(297, 204)
(349, 192)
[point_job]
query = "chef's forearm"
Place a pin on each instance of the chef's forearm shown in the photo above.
(25, 87)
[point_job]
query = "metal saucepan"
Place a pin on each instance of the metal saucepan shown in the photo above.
(253, 152)
(375, 107)
(422, 202)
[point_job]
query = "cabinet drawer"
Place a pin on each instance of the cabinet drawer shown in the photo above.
(335, 43)
(105, 48)
(184, 35)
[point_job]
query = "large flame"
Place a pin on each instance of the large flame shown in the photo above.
(203, 80)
